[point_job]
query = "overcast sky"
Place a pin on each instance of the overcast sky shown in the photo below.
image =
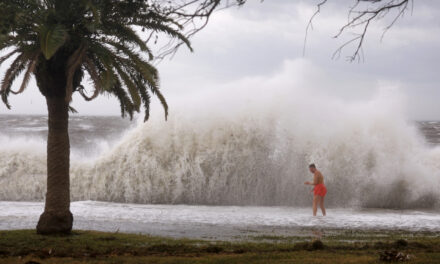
(260, 39)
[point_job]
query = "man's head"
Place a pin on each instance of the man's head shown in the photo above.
(312, 168)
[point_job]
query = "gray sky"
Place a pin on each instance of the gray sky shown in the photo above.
(260, 39)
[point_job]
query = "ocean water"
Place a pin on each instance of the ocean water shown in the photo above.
(96, 141)
(430, 131)
(233, 166)
(228, 162)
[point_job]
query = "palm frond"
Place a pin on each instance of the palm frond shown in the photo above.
(74, 61)
(163, 102)
(14, 70)
(27, 76)
(159, 27)
(146, 100)
(147, 72)
(7, 56)
(93, 73)
(72, 110)
(52, 37)
(132, 89)
(125, 103)
(127, 34)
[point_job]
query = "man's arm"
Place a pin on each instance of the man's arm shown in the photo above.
(315, 180)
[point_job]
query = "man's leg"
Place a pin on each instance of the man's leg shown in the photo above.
(315, 204)
(321, 204)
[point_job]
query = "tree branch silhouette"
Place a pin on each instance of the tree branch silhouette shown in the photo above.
(361, 15)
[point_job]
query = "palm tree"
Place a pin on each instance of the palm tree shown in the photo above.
(62, 42)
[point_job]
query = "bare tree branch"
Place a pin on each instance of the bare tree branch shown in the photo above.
(191, 15)
(361, 15)
(310, 24)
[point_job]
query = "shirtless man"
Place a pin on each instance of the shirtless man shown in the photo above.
(319, 191)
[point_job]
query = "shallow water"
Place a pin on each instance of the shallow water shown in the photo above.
(218, 222)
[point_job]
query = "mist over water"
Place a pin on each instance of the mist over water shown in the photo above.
(245, 143)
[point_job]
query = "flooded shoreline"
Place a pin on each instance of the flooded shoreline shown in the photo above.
(221, 222)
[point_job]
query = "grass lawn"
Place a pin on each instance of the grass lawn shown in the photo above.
(25, 246)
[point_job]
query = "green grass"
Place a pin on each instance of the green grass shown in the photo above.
(22, 246)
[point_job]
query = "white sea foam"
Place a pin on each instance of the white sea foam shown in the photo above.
(218, 222)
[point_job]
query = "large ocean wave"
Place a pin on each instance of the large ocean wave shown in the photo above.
(250, 146)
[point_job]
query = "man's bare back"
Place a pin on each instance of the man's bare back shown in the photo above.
(318, 178)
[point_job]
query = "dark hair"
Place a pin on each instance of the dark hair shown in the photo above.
(312, 166)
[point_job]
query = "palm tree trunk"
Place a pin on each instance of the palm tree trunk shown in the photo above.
(57, 217)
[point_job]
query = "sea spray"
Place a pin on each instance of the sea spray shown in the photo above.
(249, 143)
